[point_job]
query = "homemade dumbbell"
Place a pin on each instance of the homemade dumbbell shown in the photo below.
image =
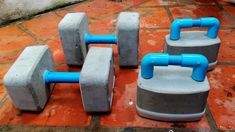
(172, 93)
(31, 78)
(194, 42)
(75, 38)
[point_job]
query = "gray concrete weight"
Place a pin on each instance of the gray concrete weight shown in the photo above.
(97, 80)
(26, 85)
(74, 26)
(24, 80)
(183, 99)
(195, 42)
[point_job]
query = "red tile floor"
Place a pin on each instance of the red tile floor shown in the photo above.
(64, 110)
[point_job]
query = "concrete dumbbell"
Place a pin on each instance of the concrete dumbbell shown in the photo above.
(31, 78)
(75, 38)
(194, 42)
(172, 93)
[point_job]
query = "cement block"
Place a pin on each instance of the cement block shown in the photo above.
(24, 80)
(183, 99)
(128, 38)
(194, 42)
(72, 29)
(97, 80)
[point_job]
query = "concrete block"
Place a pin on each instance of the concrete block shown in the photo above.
(72, 29)
(97, 80)
(194, 42)
(128, 38)
(183, 99)
(24, 81)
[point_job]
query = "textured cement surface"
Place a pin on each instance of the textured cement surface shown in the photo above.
(72, 29)
(97, 80)
(128, 38)
(24, 81)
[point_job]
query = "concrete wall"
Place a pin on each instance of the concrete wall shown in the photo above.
(15, 9)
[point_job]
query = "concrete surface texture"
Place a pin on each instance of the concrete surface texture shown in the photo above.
(64, 111)
(72, 30)
(128, 38)
(26, 74)
(15, 9)
(97, 80)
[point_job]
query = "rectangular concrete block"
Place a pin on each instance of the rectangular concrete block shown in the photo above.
(128, 38)
(183, 99)
(72, 29)
(97, 80)
(24, 80)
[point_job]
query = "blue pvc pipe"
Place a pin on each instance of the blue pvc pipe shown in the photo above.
(198, 62)
(61, 77)
(211, 23)
(104, 39)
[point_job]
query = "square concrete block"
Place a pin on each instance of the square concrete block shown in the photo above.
(72, 29)
(128, 38)
(24, 80)
(97, 80)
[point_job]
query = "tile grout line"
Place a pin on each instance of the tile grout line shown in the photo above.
(3, 100)
(211, 120)
(27, 31)
(170, 16)
(225, 12)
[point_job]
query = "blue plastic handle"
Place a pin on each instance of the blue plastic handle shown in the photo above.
(198, 62)
(104, 39)
(61, 77)
(211, 23)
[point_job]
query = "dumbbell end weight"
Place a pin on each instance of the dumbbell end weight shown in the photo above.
(24, 80)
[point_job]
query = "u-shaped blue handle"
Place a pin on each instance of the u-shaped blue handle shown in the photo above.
(211, 23)
(198, 62)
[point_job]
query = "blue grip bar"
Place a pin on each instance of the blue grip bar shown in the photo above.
(105, 39)
(61, 77)
(211, 23)
(198, 62)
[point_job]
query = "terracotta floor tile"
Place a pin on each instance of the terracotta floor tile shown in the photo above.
(224, 2)
(63, 109)
(106, 23)
(12, 41)
(227, 48)
(154, 3)
(3, 70)
(124, 101)
(222, 96)
(134, 2)
(193, 11)
(98, 9)
(231, 10)
(44, 26)
(152, 41)
(57, 50)
(205, 2)
(153, 17)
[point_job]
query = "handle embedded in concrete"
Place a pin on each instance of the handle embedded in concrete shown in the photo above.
(104, 39)
(211, 23)
(198, 62)
(61, 77)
